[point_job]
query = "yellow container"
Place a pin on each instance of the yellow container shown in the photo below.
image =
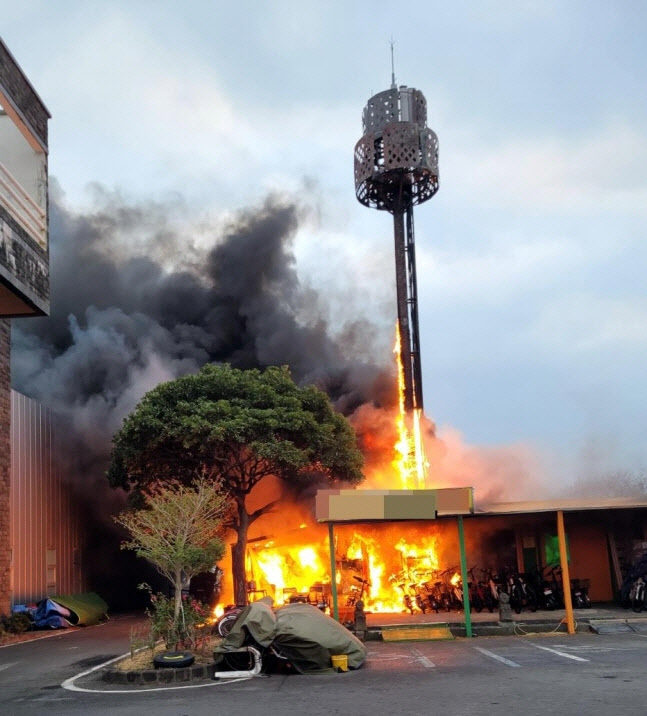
(339, 662)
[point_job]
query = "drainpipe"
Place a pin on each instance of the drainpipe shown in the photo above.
(566, 577)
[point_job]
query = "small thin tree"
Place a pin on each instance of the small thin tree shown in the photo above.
(178, 531)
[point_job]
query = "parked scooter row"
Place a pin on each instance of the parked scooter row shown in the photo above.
(543, 589)
(443, 590)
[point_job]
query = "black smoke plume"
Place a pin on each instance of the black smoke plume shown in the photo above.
(136, 299)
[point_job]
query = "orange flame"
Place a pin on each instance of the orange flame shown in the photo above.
(386, 571)
(410, 462)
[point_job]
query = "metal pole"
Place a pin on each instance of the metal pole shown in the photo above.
(566, 577)
(412, 300)
(466, 591)
(403, 309)
(333, 570)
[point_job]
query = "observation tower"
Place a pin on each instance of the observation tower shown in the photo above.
(396, 168)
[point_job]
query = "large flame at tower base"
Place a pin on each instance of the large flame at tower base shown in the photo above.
(410, 463)
(390, 567)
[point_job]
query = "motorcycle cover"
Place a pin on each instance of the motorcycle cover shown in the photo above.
(301, 633)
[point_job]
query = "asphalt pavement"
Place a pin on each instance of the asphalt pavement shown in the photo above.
(549, 674)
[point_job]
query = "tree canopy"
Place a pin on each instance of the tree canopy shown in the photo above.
(236, 427)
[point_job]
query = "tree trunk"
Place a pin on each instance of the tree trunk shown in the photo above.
(238, 554)
(178, 599)
(178, 595)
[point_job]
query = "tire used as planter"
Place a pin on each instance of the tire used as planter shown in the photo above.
(173, 660)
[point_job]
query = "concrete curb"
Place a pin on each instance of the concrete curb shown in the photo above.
(146, 677)
(521, 628)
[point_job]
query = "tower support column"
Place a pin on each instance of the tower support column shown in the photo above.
(403, 308)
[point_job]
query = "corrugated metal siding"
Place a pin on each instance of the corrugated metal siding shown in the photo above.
(46, 535)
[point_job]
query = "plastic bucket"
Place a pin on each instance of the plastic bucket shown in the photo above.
(340, 662)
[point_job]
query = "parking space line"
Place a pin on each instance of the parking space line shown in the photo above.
(421, 658)
(559, 653)
(492, 655)
(7, 666)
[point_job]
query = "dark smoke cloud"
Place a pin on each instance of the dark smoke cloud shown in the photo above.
(140, 295)
(136, 300)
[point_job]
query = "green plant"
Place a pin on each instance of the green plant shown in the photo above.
(18, 623)
(178, 531)
(184, 631)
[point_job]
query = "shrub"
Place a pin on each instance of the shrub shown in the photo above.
(18, 623)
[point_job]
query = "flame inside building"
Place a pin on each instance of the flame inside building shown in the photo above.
(385, 565)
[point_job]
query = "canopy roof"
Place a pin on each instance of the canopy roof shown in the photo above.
(572, 505)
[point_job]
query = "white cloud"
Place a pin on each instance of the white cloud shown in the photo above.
(584, 323)
(501, 270)
(602, 171)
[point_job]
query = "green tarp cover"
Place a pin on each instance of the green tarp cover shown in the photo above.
(300, 632)
(87, 609)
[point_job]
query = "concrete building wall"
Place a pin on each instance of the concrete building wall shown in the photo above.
(25, 102)
(24, 270)
(46, 530)
(24, 248)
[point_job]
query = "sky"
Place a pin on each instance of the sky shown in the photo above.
(531, 257)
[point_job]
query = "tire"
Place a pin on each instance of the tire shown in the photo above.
(477, 603)
(638, 600)
(173, 660)
(226, 622)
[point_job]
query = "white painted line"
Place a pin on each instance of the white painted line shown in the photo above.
(492, 655)
(71, 686)
(7, 666)
(38, 638)
(559, 653)
(421, 658)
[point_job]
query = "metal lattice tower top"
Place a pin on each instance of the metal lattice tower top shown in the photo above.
(396, 161)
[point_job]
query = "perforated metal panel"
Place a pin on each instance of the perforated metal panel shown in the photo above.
(396, 161)
(381, 109)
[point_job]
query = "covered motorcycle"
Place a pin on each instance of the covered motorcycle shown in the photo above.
(298, 633)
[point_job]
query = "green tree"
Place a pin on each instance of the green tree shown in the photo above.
(178, 531)
(236, 427)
